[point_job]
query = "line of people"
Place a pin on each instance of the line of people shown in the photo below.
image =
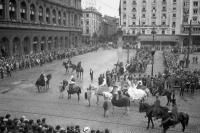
(24, 125)
(10, 64)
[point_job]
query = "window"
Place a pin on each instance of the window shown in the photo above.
(134, 10)
(195, 11)
(134, 16)
(153, 15)
(174, 1)
(143, 31)
(23, 11)
(144, 1)
(54, 16)
(87, 15)
(163, 32)
(124, 8)
(59, 18)
(2, 9)
(32, 13)
(124, 23)
(163, 23)
(133, 31)
(174, 15)
(134, 2)
(164, 8)
(48, 16)
(143, 15)
(195, 3)
(64, 19)
(173, 32)
(124, 16)
(124, 2)
(133, 23)
(87, 22)
(153, 23)
(87, 31)
(194, 19)
(174, 8)
(143, 23)
(12, 9)
(163, 16)
(143, 9)
(40, 14)
(173, 24)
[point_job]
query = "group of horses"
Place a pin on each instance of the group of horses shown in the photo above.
(42, 82)
(78, 68)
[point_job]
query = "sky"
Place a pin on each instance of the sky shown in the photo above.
(106, 7)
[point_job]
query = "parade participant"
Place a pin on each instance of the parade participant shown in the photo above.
(1, 71)
(106, 107)
(156, 105)
(89, 94)
(91, 74)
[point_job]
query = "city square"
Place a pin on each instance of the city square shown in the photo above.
(91, 66)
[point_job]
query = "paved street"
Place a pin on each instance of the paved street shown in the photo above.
(19, 97)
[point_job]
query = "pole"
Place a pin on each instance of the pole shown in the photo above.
(153, 32)
(189, 44)
(128, 54)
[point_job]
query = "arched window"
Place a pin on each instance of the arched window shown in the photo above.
(54, 17)
(26, 45)
(59, 18)
(40, 14)
(75, 20)
(35, 45)
(12, 9)
(49, 42)
(48, 16)
(32, 12)
(16, 46)
(2, 9)
(23, 11)
(43, 43)
(4, 47)
(64, 19)
(56, 43)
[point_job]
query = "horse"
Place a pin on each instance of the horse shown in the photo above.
(73, 89)
(43, 82)
(183, 118)
(79, 72)
(149, 109)
(65, 64)
(164, 92)
(73, 67)
(121, 101)
(136, 94)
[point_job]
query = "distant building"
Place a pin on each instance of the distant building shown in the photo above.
(91, 24)
(32, 26)
(168, 20)
(110, 25)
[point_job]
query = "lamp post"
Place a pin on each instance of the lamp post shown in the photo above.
(190, 42)
(153, 50)
(128, 48)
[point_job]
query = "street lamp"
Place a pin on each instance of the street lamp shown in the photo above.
(153, 50)
(128, 52)
(189, 44)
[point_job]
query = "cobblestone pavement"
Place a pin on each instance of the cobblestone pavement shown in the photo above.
(19, 97)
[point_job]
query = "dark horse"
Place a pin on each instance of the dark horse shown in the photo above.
(73, 89)
(42, 82)
(150, 112)
(79, 72)
(183, 118)
(65, 64)
(122, 101)
(164, 92)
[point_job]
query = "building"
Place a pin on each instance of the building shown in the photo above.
(110, 26)
(32, 26)
(92, 25)
(159, 22)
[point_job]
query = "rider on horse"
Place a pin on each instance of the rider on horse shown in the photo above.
(72, 82)
(156, 106)
(173, 113)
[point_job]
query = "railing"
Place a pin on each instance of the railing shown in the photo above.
(26, 25)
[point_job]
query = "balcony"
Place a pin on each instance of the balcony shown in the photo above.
(195, 29)
(37, 26)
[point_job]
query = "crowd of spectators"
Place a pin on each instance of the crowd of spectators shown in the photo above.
(10, 64)
(171, 60)
(24, 125)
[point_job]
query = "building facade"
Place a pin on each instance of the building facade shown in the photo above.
(91, 24)
(159, 22)
(32, 26)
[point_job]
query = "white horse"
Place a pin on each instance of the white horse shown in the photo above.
(136, 94)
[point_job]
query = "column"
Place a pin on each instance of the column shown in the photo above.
(28, 12)
(11, 47)
(36, 13)
(18, 10)
(7, 16)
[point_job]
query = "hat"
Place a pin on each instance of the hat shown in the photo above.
(86, 130)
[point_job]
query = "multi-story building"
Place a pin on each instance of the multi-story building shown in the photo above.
(91, 24)
(111, 25)
(159, 22)
(31, 26)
